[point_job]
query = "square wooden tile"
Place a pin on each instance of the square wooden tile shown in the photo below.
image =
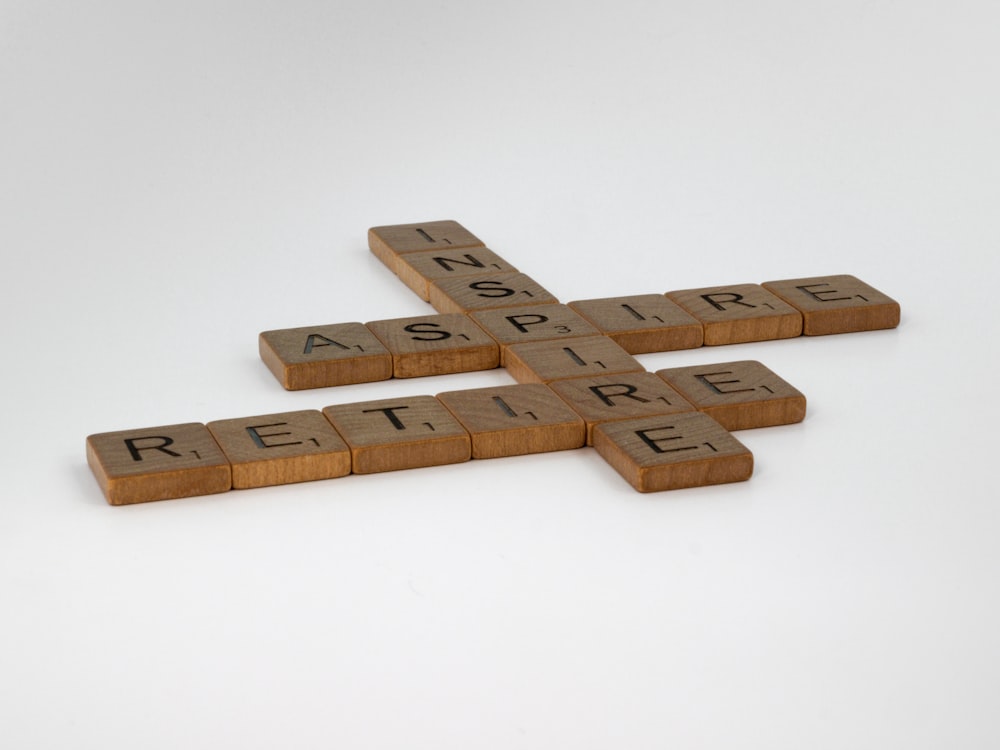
(738, 395)
(436, 345)
(387, 243)
(400, 433)
(545, 361)
(324, 356)
(610, 398)
(673, 452)
(740, 313)
(837, 304)
(295, 446)
(514, 420)
(419, 270)
(515, 325)
(487, 292)
(643, 323)
(158, 463)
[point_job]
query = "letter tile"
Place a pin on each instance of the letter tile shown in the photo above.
(515, 325)
(436, 345)
(673, 452)
(545, 361)
(419, 270)
(400, 433)
(611, 398)
(323, 356)
(514, 420)
(390, 242)
(158, 463)
(738, 395)
(837, 304)
(643, 323)
(296, 446)
(740, 313)
(487, 292)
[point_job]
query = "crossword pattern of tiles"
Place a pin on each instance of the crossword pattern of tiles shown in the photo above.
(578, 382)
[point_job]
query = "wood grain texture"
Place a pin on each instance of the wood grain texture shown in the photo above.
(740, 313)
(297, 446)
(837, 304)
(515, 420)
(738, 395)
(673, 452)
(643, 323)
(419, 270)
(436, 345)
(487, 292)
(389, 242)
(587, 356)
(325, 356)
(612, 398)
(515, 325)
(158, 463)
(400, 433)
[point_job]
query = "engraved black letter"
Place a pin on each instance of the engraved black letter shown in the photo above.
(258, 438)
(390, 415)
(733, 298)
(598, 390)
(135, 450)
(312, 338)
(437, 335)
(516, 321)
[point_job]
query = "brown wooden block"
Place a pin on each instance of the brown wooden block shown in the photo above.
(387, 243)
(419, 270)
(515, 325)
(297, 446)
(436, 345)
(158, 463)
(610, 398)
(323, 356)
(545, 361)
(400, 433)
(837, 304)
(739, 313)
(673, 452)
(487, 292)
(738, 395)
(643, 322)
(514, 420)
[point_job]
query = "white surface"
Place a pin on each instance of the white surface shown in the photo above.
(178, 177)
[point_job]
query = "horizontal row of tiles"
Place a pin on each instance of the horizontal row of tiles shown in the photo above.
(346, 353)
(610, 412)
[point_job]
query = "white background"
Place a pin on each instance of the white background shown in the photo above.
(176, 177)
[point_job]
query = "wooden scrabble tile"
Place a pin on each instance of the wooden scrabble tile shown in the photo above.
(673, 452)
(837, 304)
(739, 313)
(514, 420)
(323, 356)
(388, 243)
(643, 322)
(158, 463)
(436, 345)
(400, 433)
(610, 398)
(487, 292)
(545, 361)
(515, 325)
(419, 270)
(738, 395)
(296, 446)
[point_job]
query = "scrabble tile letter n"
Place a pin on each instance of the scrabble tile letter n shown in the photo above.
(158, 463)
